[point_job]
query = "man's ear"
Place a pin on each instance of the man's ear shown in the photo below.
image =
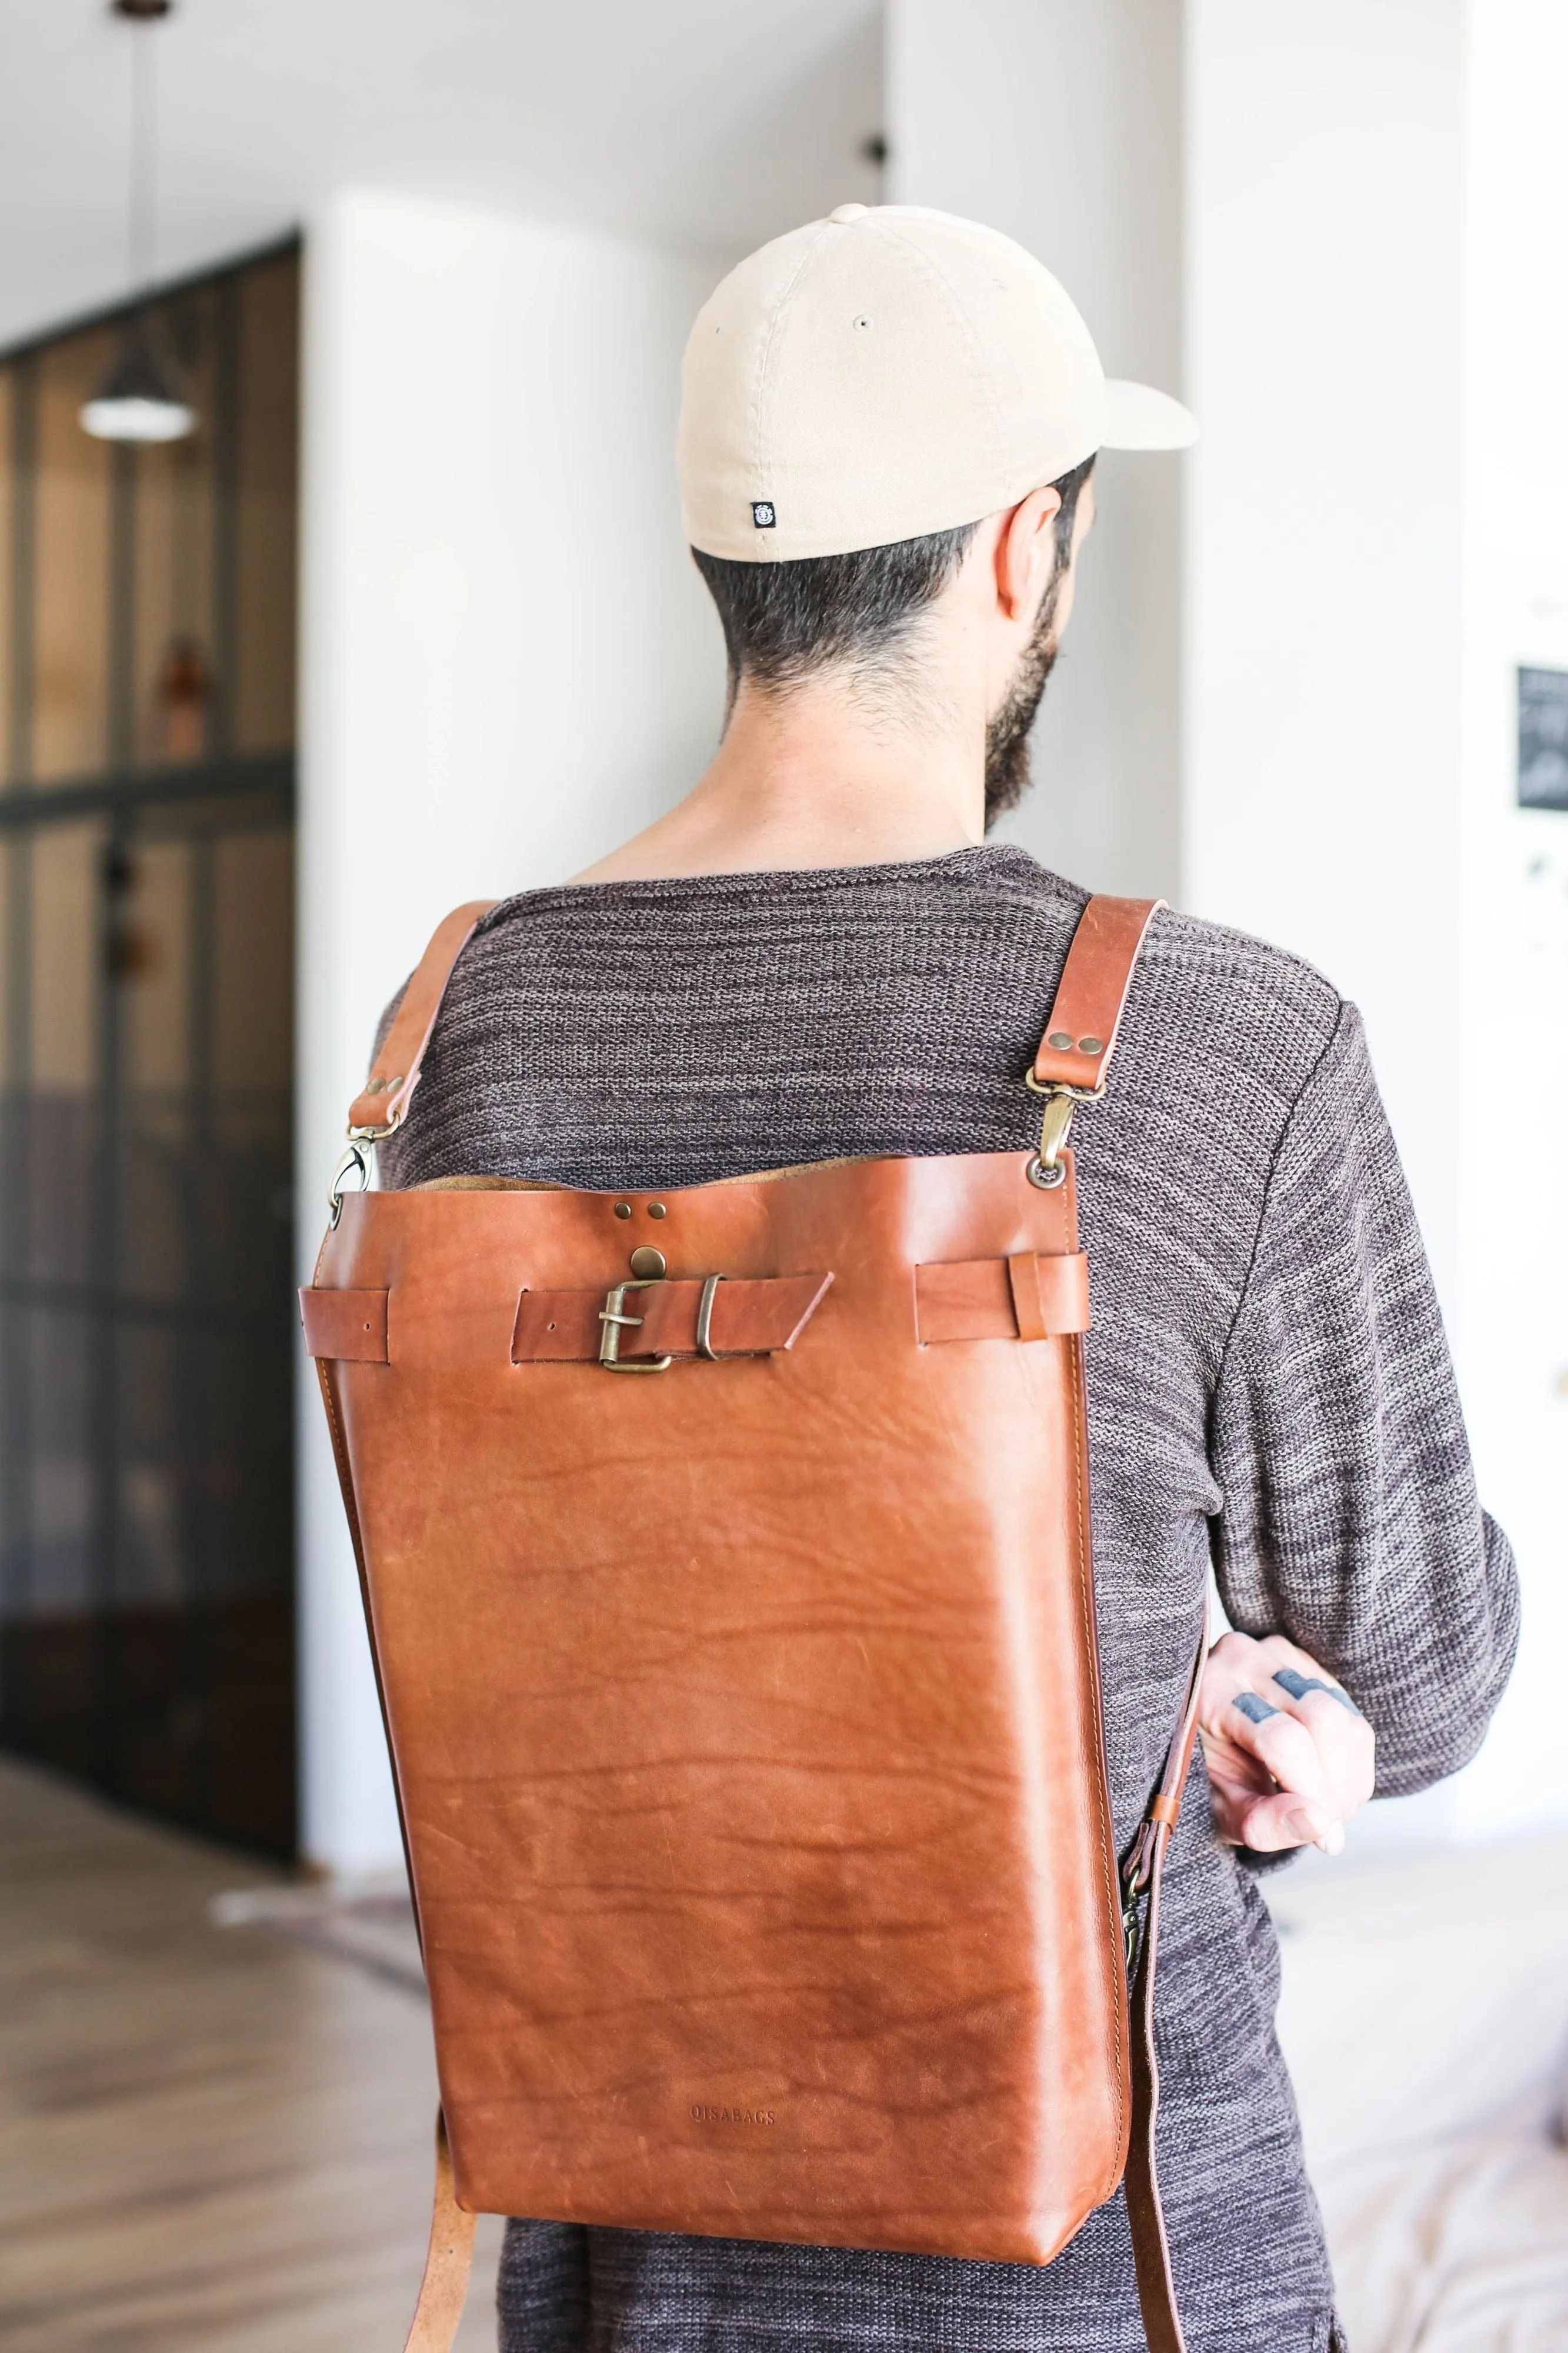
(1025, 553)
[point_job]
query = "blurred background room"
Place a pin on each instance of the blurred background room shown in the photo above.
(398, 614)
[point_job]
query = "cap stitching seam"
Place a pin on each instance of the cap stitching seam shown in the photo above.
(787, 298)
(939, 279)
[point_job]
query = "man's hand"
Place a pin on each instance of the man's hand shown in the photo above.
(1290, 1756)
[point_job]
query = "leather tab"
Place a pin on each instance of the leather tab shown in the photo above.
(382, 1102)
(1025, 1297)
(1080, 1035)
(444, 2289)
(346, 1325)
(750, 1317)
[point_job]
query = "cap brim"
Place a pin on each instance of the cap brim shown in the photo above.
(1139, 418)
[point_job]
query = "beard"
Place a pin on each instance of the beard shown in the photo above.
(1007, 733)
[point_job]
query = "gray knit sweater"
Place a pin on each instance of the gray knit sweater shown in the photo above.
(1270, 1391)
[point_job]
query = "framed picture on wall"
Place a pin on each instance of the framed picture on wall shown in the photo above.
(1543, 739)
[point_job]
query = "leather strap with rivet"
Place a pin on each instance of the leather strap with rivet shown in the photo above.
(1072, 1058)
(1070, 1061)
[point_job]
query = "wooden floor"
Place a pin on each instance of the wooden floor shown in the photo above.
(210, 2137)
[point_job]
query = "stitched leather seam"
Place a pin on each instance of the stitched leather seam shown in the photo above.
(762, 398)
(345, 1480)
(921, 264)
(345, 1475)
(1092, 1637)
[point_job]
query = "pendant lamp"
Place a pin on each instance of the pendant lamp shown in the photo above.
(140, 398)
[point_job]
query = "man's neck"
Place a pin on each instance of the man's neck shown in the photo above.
(823, 774)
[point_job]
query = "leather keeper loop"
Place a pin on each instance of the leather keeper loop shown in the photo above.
(1025, 1297)
(345, 1326)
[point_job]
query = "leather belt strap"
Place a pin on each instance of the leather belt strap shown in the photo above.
(382, 1102)
(1080, 1035)
(744, 1318)
(1025, 1297)
(1141, 1876)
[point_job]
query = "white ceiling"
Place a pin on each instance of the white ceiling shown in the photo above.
(705, 123)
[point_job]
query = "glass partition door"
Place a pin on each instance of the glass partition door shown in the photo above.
(147, 974)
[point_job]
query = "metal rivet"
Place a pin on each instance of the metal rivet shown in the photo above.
(1060, 1040)
(1092, 1045)
(623, 1208)
(657, 1210)
(648, 1263)
(1045, 1179)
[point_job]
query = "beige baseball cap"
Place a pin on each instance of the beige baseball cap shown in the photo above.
(888, 372)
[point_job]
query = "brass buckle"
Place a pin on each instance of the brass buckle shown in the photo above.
(616, 1321)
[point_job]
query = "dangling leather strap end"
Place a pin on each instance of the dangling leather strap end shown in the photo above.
(445, 2286)
(1140, 1878)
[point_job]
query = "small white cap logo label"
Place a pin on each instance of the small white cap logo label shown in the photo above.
(762, 513)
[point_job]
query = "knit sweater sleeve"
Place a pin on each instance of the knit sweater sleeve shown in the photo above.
(1350, 1519)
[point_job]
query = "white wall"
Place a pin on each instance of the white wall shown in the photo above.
(1324, 353)
(1060, 122)
(1510, 1113)
(508, 664)
(1375, 536)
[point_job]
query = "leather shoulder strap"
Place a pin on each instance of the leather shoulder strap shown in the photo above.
(1141, 1876)
(1080, 1035)
(382, 1103)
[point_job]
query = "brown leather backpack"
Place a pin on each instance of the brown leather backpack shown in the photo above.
(726, 1555)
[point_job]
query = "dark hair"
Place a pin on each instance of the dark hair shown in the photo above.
(783, 620)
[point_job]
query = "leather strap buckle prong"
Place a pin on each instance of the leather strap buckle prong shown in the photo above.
(705, 1318)
(616, 1321)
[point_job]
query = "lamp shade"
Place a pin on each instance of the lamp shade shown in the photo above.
(140, 399)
